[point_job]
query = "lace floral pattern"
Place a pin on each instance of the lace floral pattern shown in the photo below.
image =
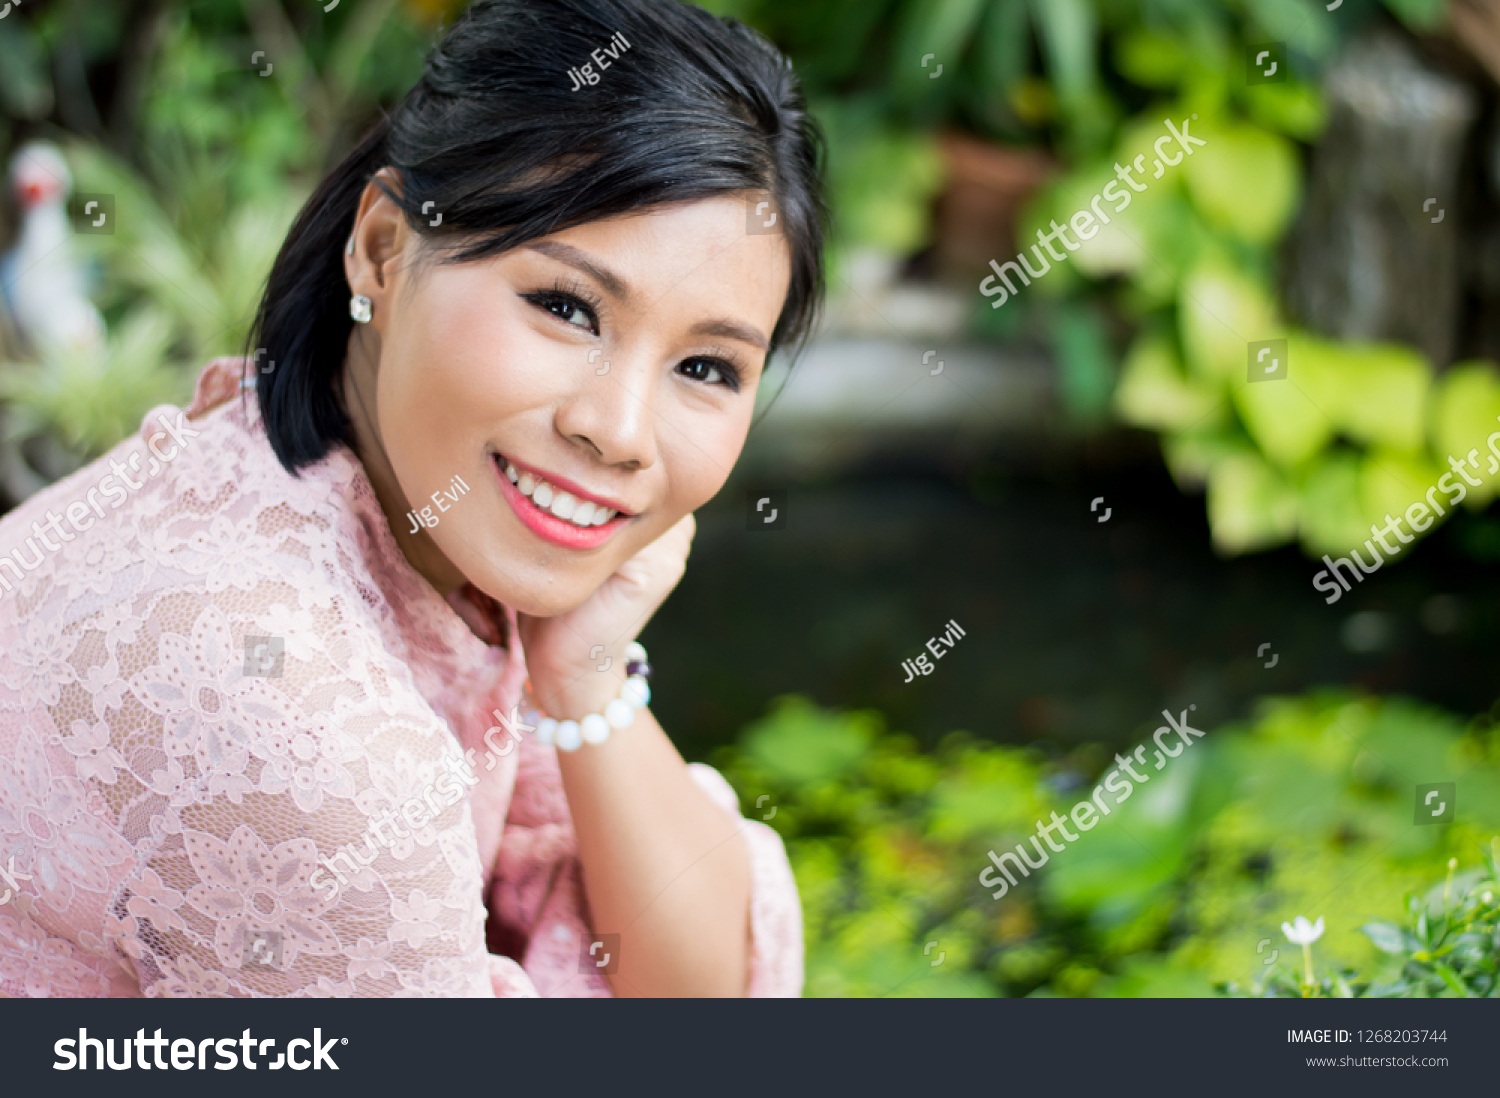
(188, 811)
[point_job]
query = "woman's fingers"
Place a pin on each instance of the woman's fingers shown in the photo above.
(657, 568)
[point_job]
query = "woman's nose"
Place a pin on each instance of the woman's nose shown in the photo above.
(612, 410)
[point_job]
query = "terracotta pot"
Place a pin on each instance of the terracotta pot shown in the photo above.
(977, 211)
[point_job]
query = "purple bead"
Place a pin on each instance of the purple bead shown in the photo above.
(638, 667)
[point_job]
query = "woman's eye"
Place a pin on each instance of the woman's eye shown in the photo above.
(710, 371)
(566, 308)
(571, 311)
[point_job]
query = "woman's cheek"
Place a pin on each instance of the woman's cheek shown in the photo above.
(718, 453)
(462, 342)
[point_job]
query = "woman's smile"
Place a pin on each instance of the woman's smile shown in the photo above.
(555, 509)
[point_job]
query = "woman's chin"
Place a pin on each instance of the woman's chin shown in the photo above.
(505, 591)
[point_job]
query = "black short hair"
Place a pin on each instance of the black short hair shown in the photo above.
(495, 137)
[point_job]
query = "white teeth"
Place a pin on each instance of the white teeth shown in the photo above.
(580, 512)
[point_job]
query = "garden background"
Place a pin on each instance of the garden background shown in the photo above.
(1120, 520)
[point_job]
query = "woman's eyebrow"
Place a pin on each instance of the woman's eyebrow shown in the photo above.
(580, 260)
(732, 329)
(617, 287)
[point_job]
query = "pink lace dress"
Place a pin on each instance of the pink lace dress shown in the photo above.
(174, 788)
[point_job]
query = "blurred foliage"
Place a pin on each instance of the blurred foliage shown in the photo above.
(91, 401)
(1061, 73)
(1448, 945)
(884, 75)
(1357, 431)
(219, 155)
(1451, 938)
(1308, 809)
(881, 180)
(1354, 433)
(1188, 268)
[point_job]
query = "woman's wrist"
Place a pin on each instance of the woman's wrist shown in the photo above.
(571, 710)
(572, 695)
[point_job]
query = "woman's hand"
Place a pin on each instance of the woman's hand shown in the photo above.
(663, 865)
(564, 676)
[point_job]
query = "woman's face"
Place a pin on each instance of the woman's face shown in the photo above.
(614, 364)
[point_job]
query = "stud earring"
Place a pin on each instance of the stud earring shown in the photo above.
(349, 248)
(360, 308)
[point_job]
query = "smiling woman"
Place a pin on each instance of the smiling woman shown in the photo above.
(509, 346)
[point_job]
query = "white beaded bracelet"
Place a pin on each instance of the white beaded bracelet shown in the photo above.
(595, 727)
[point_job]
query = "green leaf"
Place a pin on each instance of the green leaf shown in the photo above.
(1464, 416)
(1146, 234)
(800, 743)
(1294, 108)
(1003, 47)
(1068, 34)
(1451, 979)
(1245, 181)
(91, 400)
(1085, 361)
(1330, 517)
(1192, 455)
(1150, 57)
(1284, 416)
(1220, 311)
(993, 792)
(1419, 15)
(1385, 387)
(1388, 937)
(1390, 482)
(881, 180)
(1304, 24)
(25, 85)
(1154, 392)
(939, 27)
(1251, 506)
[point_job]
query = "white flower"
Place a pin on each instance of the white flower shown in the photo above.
(443, 978)
(415, 919)
(93, 757)
(369, 959)
(209, 708)
(1301, 932)
(244, 883)
(39, 668)
(41, 966)
(185, 978)
(296, 627)
(47, 825)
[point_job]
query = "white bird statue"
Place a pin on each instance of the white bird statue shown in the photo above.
(43, 285)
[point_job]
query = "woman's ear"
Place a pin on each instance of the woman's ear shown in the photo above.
(381, 237)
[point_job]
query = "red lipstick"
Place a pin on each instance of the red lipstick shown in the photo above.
(546, 525)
